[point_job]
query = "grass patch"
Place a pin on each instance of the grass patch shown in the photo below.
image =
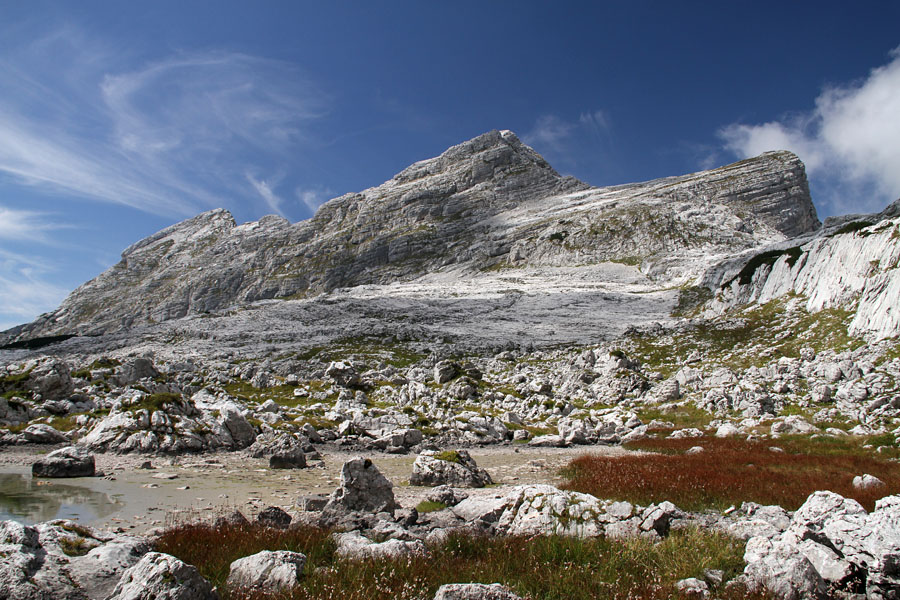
(731, 471)
(690, 300)
(683, 416)
(75, 546)
(427, 506)
(155, 402)
(539, 568)
(737, 341)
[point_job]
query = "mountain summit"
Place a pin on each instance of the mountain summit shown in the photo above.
(491, 203)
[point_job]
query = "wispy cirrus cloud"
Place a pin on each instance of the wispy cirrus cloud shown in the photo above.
(171, 136)
(266, 193)
(570, 142)
(28, 225)
(313, 198)
(850, 141)
(24, 288)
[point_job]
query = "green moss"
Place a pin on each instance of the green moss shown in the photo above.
(77, 546)
(733, 341)
(448, 456)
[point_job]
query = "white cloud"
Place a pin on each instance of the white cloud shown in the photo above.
(850, 140)
(171, 137)
(570, 141)
(313, 198)
(272, 201)
(24, 225)
(24, 289)
(596, 121)
(551, 131)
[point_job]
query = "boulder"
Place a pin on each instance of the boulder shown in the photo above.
(446, 495)
(831, 543)
(867, 482)
(163, 577)
(71, 461)
(779, 567)
(270, 572)
(445, 371)
(274, 517)
(38, 562)
(135, 370)
(546, 510)
(454, 468)
(474, 591)
(363, 489)
(343, 374)
(51, 379)
(40, 433)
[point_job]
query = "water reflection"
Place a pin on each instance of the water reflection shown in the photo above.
(30, 501)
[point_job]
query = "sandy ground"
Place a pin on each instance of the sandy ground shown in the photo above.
(132, 498)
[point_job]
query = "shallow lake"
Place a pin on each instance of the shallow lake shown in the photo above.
(30, 500)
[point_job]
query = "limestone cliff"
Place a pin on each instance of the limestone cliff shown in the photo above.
(489, 203)
(853, 263)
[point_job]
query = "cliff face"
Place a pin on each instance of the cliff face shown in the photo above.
(853, 263)
(490, 203)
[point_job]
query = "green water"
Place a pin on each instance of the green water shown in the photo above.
(31, 501)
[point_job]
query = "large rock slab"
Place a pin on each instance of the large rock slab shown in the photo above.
(62, 560)
(474, 591)
(833, 544)
(163, 577)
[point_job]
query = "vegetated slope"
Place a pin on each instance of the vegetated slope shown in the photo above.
(488, 203)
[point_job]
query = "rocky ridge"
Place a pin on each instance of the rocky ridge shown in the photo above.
(489, 203)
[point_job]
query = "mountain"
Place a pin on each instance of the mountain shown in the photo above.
(491, 204)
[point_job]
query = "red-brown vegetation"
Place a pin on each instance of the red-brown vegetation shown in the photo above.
(731, 471)
(540, 568)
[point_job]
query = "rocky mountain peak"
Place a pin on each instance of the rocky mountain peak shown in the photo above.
(490, 203)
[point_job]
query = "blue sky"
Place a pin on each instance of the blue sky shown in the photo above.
(120, 118)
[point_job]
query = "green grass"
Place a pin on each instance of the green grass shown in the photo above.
(427, 506)
(686, 415)
(538, 568)
(731, 342)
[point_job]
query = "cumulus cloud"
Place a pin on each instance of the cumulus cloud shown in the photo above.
(850, 140)
(170, 137)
